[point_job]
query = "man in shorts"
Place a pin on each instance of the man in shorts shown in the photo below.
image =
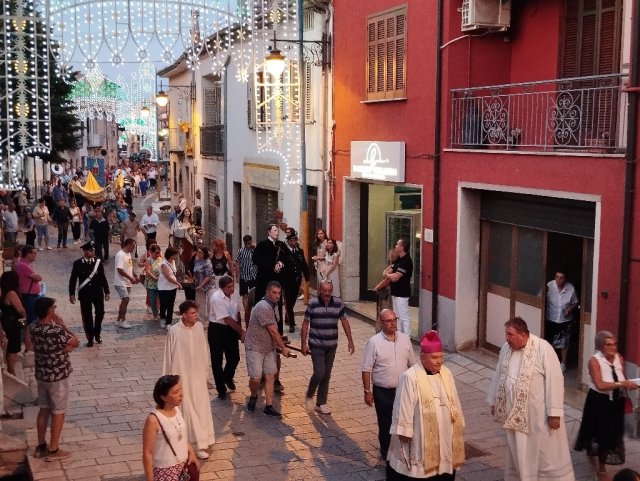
(261, 340)
(52, 342)
(123, 280)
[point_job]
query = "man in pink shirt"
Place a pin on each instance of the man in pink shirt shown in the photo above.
(29, 288)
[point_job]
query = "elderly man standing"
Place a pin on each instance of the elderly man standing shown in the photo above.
(150, 223)
(261, 340)
(528, 371)
(183, 354)
(427, 421)
(321, 325)
(387, 355)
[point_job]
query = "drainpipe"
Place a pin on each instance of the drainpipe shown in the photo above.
(629, 176)
(436, 170)
(225, 154)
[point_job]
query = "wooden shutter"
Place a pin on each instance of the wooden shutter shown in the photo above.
(386, 55)
(591, 40)
(308, 97)
(213, 105)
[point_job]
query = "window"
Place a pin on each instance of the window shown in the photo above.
(386, 55)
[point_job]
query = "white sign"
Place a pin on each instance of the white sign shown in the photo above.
(377, 160)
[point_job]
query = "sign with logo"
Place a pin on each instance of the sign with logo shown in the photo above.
(377, 160)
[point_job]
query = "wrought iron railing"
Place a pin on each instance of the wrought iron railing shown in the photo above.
(177, 140)
(212, 140)
(578, 114)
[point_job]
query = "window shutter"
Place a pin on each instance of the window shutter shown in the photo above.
(308, 89)
(401, 65)
(371, 57)
(212, 105)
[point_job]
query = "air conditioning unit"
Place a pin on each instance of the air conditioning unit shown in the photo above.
(477, 14)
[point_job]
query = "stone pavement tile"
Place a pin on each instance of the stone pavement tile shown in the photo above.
(57, 475)
(95, 472)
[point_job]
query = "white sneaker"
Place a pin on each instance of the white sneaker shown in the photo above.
(324, 409)
(309, 403)
(40, 249)
(202, 454)
(125, 325)
(163, 324)
(563, 367)
(300, 297)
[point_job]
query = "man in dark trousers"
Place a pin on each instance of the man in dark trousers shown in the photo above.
(101, 230)
(93, 290)
(292, 279)
(270, 255)
(61, 216)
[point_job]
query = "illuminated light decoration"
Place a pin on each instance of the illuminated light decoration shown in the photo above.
(24, 122)
(95, 97)
(145, 30)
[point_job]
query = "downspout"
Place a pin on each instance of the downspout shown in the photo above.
(437, 126)
(326, 34)
(629, 176)
(225, 154)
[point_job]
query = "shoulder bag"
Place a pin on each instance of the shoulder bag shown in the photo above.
(190, 471)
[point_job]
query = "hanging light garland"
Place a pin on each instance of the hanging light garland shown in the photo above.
(96, 97)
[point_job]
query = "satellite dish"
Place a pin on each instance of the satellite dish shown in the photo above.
(57, 169)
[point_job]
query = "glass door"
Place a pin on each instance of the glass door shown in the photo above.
(405, 224)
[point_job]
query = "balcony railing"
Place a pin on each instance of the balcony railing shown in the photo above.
(575, 114)
(212, 140)
(176, 140)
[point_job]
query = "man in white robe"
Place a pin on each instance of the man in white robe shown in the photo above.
(527, 396)
(185, 354)
(427, 422)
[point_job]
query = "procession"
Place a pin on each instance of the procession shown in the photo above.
(226, 358)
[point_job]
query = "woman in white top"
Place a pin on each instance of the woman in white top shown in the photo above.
(167, 286)
(76, 221)
(321, 252)
(602, 427)
(165, 448)
(332, 259)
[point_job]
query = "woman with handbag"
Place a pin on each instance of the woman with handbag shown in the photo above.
(12, 312)
(602, 427)
(168, 284)
(167, 454)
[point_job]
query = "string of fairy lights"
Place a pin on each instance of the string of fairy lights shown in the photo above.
(147, 31)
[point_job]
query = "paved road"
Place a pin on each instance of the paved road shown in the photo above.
(111, 395)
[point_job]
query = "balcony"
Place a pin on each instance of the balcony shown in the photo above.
(583, 114)
(177, 140)
(212, 140)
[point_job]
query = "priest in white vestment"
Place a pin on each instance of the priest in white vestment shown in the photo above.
(427, 422)
(527, 396)
(185, 354)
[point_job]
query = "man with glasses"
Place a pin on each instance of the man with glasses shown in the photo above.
(386, 356)
(321, 325)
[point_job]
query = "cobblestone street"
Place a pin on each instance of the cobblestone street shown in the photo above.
(111, 394)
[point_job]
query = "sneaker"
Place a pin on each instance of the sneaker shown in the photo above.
(125, 325)
(269, 411)
(202, 454)
(40, 249)
(251, 404)
(40, 451)
(324, 409)
(57, 455)
(309, 404)
(163, 323)
(231, 385)
(277, 386)
(49, 248)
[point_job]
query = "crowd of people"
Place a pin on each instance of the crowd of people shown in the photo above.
(418, 411)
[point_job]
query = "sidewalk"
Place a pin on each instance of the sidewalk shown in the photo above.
(111, 395)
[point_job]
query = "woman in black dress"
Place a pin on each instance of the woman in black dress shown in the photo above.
(602, 428)
(12, 311)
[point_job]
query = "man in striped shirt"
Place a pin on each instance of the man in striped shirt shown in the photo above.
(248, 271)
(321, 325)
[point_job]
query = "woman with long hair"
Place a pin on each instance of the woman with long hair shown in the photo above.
(221, 259)
(321, 252)
(332, 258)
(12, 312)
(168, 284)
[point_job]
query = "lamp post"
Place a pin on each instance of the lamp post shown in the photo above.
(318, 52)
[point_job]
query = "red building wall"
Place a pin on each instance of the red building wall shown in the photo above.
(408, 120)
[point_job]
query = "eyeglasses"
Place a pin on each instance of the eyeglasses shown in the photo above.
(393, 319)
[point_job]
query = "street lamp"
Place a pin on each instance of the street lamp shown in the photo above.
(162, 99)
(274, 62)
(145, 112)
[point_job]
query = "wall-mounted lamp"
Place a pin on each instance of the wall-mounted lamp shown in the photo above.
(274, 62)
(162, 99)
(145, 112)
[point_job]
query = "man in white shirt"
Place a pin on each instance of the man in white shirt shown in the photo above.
(561, 302)
(223, 334)
(386, 356)
(150, 222)
(10, 223)
(123, 280)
